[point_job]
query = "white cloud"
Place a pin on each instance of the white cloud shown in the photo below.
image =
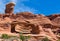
(15, 1)
(2, 6)
(24, 8)
(21, 8)
(24, 0)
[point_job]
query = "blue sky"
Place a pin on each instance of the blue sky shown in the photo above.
(46, 7)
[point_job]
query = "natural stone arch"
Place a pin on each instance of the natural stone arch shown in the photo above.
(35, 28)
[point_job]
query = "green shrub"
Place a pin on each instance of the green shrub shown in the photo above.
(5, 36)
(24, 37)
(45, 39)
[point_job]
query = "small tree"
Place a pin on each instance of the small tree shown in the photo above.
(45, 39)
(5, 36)
(23, 38)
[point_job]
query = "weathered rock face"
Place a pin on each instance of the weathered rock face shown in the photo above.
(5, 28)
(51, 17)
(26, 15)
(37, 25)
(9, 8)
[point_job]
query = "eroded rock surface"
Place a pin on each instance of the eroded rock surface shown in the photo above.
(28, 23)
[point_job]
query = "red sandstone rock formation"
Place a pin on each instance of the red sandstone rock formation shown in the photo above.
(9, 8)
(28, 23)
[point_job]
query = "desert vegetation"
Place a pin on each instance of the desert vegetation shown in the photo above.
(6, 37)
